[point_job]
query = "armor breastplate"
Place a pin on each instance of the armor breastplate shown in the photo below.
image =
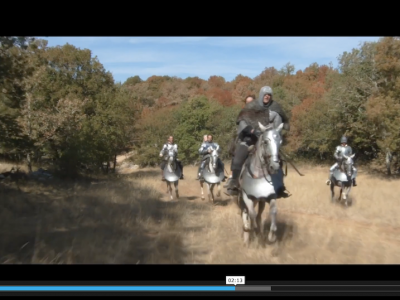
(346, 150)
(169, 151)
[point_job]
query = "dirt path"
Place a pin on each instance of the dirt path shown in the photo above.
(128, 218)
(310, 228)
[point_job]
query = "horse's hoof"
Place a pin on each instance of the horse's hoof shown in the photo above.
(272, 236)
(275, 252)
(246, 239)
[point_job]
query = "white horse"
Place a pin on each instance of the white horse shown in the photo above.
(261, 176)
(212, 176)
(172, 173)
(343, 178)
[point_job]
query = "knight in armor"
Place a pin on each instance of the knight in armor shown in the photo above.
(265, 110)
(345, 149)
(169, 145)
(203, 144)
(205, 149)
(248, 99)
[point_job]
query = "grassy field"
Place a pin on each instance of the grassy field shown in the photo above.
(128, 218)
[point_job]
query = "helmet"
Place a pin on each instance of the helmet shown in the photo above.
(343, 139)
(266, 90)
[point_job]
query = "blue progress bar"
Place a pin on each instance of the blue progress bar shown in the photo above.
(116, 288)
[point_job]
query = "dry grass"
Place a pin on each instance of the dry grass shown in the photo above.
(129, 219)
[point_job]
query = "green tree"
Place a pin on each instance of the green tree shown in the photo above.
(193, 119)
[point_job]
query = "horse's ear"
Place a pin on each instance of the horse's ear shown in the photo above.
(262, 127)
(353, 155)
(280, 127)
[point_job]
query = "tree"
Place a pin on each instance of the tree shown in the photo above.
(194, 116)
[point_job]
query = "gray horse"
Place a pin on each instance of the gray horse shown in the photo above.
(172, 173)
(260, 178)
(342, 177)
(392, 160)
(212, 175)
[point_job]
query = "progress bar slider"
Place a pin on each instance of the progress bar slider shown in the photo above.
(115, 288)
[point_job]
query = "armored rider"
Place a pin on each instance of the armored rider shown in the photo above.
(342, 149)
(169, 145)
(248, 99)
(265, 111)
(205, 149)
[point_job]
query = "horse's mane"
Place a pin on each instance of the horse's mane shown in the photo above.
(253, 113)
(254, 163)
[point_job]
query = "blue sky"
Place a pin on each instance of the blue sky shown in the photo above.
(206, 56)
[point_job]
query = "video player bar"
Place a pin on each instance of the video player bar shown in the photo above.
(227, 288)
(114, 288)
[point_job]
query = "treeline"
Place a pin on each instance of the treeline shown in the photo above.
(60, 103)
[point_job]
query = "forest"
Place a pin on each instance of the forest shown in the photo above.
(59, 106)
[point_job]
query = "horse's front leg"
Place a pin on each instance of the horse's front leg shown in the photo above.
(202, 190)
(219, 189)
(332, 192)
(210, 196)
(346, 194)
(259, 221)
(176, 189)
(249, 218)
(272, 211)
(170, 190)
(246, 226)
(213, 186)
(167, 186)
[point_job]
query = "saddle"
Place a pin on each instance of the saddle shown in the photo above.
(205, 157)
(251, 151)
(174, 165)
(340, 167)
(207, 166)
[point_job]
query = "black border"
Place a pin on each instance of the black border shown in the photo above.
(146, 22)
(165, 18)
(182, 273)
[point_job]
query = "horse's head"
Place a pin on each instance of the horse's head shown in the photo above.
(171, 156)
(348, 165)
(269, 144)
(214, 158)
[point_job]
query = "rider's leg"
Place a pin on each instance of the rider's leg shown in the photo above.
(181, 167)
(335, 165)
(222, 168)
(230, 176)
(282, 192)
(198, 170)
(241, 153)
(355, 175)
(162, 166)
(201, 169)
